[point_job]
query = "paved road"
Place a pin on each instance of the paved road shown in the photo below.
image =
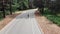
(24, 23)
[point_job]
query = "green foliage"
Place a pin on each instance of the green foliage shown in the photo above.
(54, 18)
(1, 15)
(23, 4)
(16, 5)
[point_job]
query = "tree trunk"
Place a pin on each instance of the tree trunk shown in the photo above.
(3, 9)
(10, 7)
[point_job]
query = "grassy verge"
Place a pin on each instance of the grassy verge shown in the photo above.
(54, 18)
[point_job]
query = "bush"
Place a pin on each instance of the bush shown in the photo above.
(52, 17)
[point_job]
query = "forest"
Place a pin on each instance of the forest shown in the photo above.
(47, 8)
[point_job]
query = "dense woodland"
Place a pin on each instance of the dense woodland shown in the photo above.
(12, 5)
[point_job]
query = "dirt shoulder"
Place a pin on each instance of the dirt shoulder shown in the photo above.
(47, 26)
(6, 20)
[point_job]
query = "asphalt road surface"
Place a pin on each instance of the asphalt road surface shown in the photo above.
(24, 23)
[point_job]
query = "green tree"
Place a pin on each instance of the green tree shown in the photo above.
(23, 4)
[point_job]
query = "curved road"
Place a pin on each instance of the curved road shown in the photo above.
(24, 23)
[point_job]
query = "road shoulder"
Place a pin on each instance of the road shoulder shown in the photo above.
(47, 26)
(7, 20)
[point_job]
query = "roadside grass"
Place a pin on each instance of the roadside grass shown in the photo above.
(52, 17)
